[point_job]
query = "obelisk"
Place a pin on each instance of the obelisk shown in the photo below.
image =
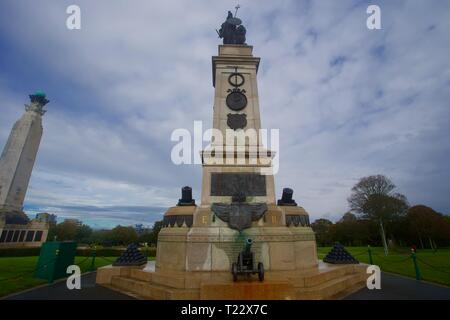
(238, 200)
(18, 156)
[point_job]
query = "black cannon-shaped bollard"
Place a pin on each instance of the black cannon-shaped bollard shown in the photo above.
(286, 198)
(186, 197)
(246, 263)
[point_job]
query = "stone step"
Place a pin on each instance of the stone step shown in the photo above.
(147, 290)
(323, 277)
(253, 290)
(313, 279)
(329, 282)
(169, 280)
(332, 288)
(139, 274)
(351, 289)
(180, 281)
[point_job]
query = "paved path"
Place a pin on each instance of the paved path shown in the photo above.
(59, 291)
(393, 287)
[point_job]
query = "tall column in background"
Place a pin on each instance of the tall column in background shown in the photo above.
(18, 156)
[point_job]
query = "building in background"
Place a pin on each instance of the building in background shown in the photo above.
(31, 234)
(46, 217)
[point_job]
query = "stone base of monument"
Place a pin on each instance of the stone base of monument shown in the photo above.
(196, 251)
(327, 281)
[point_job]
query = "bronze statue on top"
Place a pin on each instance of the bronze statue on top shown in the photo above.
(232, 31)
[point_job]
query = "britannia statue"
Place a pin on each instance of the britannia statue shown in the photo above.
(232, 31)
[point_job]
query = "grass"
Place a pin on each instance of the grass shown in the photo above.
(433, 266)
(17, 273)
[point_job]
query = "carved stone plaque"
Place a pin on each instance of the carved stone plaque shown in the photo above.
(228, 184)
(238, 215)
(237, 121)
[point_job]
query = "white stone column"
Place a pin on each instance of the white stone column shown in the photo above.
(19, 154)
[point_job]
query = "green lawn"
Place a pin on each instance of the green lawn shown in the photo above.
(434, 266)
(16, 273)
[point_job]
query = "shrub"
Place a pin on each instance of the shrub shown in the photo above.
(84, 252)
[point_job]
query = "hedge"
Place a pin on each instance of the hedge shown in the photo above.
(110, 252)
(19, 252)
(105, 252)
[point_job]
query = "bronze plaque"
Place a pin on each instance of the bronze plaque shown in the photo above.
(236, 100)
(237, 121)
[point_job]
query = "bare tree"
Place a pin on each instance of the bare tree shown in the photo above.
(373, 198)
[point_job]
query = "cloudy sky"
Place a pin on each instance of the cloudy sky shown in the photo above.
(349, 102)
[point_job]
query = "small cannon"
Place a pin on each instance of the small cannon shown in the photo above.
(286, 198)
(186, 197)
(246, 263)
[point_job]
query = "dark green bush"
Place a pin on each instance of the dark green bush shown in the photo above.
(103, 252)
(111, 252)
(19, 252)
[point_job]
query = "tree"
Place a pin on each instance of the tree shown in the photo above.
(152, 237)
(348, 217)
(66, 231)
(51, 232)
(155, 231)
(344, 232)
(322, 229)
(373, 198)
(351, 231)
(83, 234)
(102, 237)
(446, 218)
(121, 235)
(429, 225)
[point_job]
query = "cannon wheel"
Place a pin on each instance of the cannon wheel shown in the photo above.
(234, 271)
(261, 271)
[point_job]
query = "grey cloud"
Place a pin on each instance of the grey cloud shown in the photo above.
(147, 67)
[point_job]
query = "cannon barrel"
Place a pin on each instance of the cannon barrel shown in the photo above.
(287, 195)
(248, 244)
(186, 194)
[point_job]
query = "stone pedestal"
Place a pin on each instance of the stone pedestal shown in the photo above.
(210, 245)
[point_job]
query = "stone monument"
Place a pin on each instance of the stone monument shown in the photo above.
(16, 165)
(199, 244)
